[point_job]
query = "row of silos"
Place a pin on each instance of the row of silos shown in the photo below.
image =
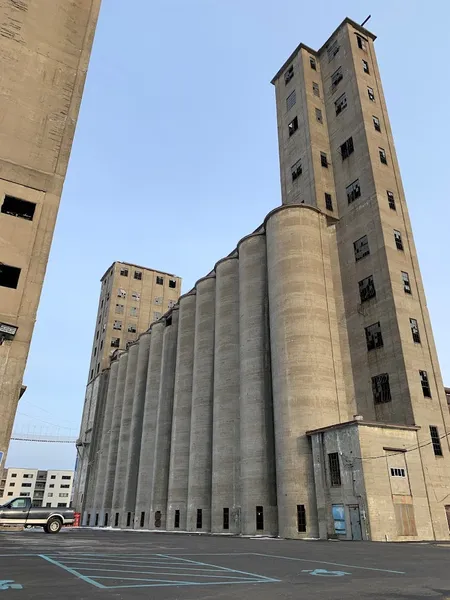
(206, 414)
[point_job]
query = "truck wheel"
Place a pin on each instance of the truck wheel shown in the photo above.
(53, 525)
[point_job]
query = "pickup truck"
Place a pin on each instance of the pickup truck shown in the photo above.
(20, 512)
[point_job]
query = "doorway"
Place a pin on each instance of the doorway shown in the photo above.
(355, 522)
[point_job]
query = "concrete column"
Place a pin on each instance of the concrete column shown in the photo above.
(200, 452)
(181, 422)
(158, 512)
(258, 481)
(303, 380)
(225, 492)
(145, 479)
(137, 416)
(114, 438)
(104, 444)
(124, 436)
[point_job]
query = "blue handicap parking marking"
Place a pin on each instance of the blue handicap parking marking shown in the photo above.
(325, 573)
(9, 584)
(149, 570)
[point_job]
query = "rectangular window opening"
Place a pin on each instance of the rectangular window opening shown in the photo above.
(115, 342)
(289, 74)
(301, 518)
(142, 522)
(199, 518)
(96, 520)
(116, 520)
(406, 283)
(324, 160)
(398, 240)
(138, 275)
(15, 207)
(353, 191)
(312, 62)
(371, 94)
(292, 128)
(366, 288)
(347, 148)
(436, 440)
(291, 100)
(159, 280)
(105, 521)
(158, 517)
(425, 384)
(381, 389)
(128, 519)
(374, 339)
(376, 123)
(259, 518)
(365, 65)
(361, 248)
(226, 518)
(362, 43)
(296, 170)
(124, 272)
(383, 157)
(176, 523)
(336, 77)
(340, 104)
(415, 330)
(319, 116)
(316, 89)
(335, 469)
(328, 202)
(332, 50)
(173, 282)
(9, 276)
(391, 200)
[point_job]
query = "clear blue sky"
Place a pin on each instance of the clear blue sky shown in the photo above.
(178, 127)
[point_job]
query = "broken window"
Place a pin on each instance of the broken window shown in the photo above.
(374, 339)
(371, 94)
(18, 208)
(131, 329)
(328, 201)
(391, 200)
(362, 42)
(383, 157)
(335, 469)
(296, 170)
(9, 276)
(353, 191)
(136, 296)
(289, 74)
(366, 288)
(319, 116)
(340, 104)
(159, 280)
(332, 50)
(381, 389)
(436, 440)
(376, 123)
(293, 126)
(117, 325)
(124, 272)
(336, 78)
(316, 90)
(347, 148)
(415, 330)
(425, 384)
(361, 248)
(312, 62)
(172, 283)
(119, 309)
(133, 311)
(324, 160)
(406, 283)
(121, 293)
(115, 342)
(365, 65)
(398, 239)
(290, 100)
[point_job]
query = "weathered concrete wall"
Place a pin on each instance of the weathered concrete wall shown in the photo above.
(181, 422)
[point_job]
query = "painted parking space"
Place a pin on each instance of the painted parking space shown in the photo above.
(113, 571)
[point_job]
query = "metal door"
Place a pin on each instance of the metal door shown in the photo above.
(355, 522)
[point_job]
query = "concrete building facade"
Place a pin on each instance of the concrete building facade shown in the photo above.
(45, 488)
(297, 382)
(44, 49)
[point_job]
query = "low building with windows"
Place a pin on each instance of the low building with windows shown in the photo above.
(45, 488)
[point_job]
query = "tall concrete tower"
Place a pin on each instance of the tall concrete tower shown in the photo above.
(44, 51)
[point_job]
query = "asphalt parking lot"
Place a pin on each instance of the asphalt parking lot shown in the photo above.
(87, 564)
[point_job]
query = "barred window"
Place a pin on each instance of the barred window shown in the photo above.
(328, 202)
(436, 440)
(425, 384)
(324, 160)
(335, 469)
(406, 283)
(391, 200)
(374, 339)
(398, 472)
(381, 389)
(361, 248)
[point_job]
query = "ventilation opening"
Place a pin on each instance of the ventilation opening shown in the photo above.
(259, 518)
(158, 519)
(142, 519)
(9, 276)
(301, 518)
(116, 520)
(199, 518)
(96, 520)
(105, 522)
(128, 519)
(176, 523)
(18, 208)
(226, 518)
(89, 519)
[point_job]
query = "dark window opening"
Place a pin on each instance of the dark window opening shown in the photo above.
(398, 239)
(142, 519)
(158, 519)
(293, 126)
(365, 65)
(9, 276)
(362, 44)
(128, 519)
(336, 78)
(116, 520)
(340, 104)
(291, 100)
(406, 283)
(381, 389)
(361, 248)
(371, 94)
(96, 520)
(353, 191)
(226, 518)
(131, 329)
(391, 200)
(415, 330)
(347, 148)
(324, 160)
(425, 384)
(328, 202)
(319, 116)
(259, 518)
(159, 280)
(289, 74)
(316, 90)
(124, 272)
(92, 373)
(169, 321)
(105, 521)
(199, 518)
(312, 62)
(367, 289)
(383, 157)
(301, 518)
(296, 170)
(436, 440)
(335, 469)
(176, 522)
(138, 275)
(376, 123)
(332, 50)
(18, 208)
(395, 472)
(115, 342)
(173, 282)
(374, 339)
